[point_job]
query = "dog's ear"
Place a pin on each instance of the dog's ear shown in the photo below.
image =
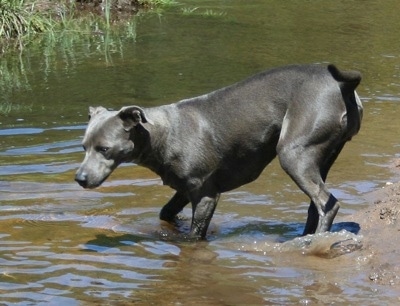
(95, 110)
(131, 116)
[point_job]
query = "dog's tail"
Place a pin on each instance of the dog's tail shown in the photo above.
(348, 80)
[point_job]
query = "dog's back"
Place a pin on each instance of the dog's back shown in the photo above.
(231, 134)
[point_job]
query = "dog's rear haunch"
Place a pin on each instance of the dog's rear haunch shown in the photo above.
(216, 142)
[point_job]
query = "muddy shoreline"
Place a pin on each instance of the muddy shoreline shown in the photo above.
(380, 227)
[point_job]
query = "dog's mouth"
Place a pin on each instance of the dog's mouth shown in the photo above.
(84, 182)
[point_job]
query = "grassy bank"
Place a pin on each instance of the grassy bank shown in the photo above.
(21, 20)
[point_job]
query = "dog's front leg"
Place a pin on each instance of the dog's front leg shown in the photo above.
(170, 210)
(203, 210)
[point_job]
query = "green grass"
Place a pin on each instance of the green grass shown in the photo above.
(17, 19)
(107, 12)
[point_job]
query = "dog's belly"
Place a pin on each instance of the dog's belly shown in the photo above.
(234, 173)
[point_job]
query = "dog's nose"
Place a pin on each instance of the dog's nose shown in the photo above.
(81, 179)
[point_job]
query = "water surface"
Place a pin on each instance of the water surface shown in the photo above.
(62, 244)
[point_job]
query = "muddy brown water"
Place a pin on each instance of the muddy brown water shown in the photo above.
(60, 244)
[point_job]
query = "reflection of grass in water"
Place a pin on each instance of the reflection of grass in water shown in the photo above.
(93, 36)
(13, 77)
(84, 36)
(72, 34)
(63, 36)
(205, 13)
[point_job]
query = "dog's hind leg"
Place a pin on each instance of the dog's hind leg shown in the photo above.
(170, 210)
(303, 167)
(313, 215)
(307, 148)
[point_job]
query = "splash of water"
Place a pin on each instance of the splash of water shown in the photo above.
(326, 245)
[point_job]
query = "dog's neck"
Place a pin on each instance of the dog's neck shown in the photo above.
(151, 143)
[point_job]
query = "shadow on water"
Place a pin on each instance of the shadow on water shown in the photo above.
(103, 241)
(351, 227)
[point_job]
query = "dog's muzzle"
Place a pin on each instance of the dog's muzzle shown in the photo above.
(82, 179)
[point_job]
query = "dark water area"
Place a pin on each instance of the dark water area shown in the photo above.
(60, 244)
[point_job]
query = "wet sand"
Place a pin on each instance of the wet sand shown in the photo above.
(380, 226)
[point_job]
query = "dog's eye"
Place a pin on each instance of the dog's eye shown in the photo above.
(103, 149)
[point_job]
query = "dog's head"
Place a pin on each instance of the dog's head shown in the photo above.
(108, 142)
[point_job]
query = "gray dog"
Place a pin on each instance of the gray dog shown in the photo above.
(216, 142)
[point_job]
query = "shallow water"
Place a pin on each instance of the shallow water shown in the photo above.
(62, 244)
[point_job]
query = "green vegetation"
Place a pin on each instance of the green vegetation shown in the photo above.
(20, 20)
(17, 19)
